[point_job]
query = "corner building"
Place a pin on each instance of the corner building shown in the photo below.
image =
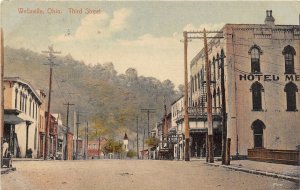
(262, 78)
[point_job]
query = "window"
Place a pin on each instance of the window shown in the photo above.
(16, 99)
(289, 53)
(192, 84)
(218, 66)
(198, 75)
(214, 66)
(219, 95)
(215, 100)
(32, 109)
(290, 90)
(36, 109)
(255, 53)
(21, 95)
(256, 89)
(30, 106)
(258, 132)
(196, 79)
(25, 104)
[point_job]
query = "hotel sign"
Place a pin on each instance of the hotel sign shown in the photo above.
(261, 77)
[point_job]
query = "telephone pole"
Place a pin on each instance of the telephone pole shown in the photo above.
(51, 63)
(137, 137)
(98, 143)
(67, 139)
(209, 103)
(186, 114)
(196, 35)
(77, 127)
(143, 145)
(148, 111)
(1, 94)
(87, 140)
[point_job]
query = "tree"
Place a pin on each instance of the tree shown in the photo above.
(131, 153)
(112, 146)
(152, 142)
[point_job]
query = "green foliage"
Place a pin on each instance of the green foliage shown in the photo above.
(113, 99)
(152, 142)
(131, 154)
(112, 146)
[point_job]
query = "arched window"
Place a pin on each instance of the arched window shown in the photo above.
(258, 132)
(256, 89)
(291, 90)
(255, 53)
(289, 53)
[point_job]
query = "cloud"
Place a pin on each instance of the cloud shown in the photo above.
(96, 26)
(192, 27)
(119, 20)
(150, 41)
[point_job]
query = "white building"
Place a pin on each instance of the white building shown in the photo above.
(21, 107)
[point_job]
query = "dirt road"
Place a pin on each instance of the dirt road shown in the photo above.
(133, 175)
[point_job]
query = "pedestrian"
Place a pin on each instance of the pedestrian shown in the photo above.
(4, 148)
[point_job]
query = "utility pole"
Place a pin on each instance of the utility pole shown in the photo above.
(137, 137)
(2, 94)
(98, 144)
(209, 144)
(67, 133)
(186, 114)
(209, 103)
(143, 145)
(51, 63)
(77, 127)
(148, 111)
(87, 140)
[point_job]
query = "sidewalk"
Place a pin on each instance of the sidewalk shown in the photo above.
(282, 171)
(6, 170)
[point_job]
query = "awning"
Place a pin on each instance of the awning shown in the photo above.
(12, 119)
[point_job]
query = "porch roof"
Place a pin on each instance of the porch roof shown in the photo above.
(12, 119)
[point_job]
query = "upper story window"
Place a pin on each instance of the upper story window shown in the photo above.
(21, 99)
(289, 53)
(196, 79)
(30, 106)
(16, 99)
(218, 66)
(291, 90)
(192, 84)
(214, 67)
(198, 75)
(257, 90)
(255, 53)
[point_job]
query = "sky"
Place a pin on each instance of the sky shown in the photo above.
(143, 35)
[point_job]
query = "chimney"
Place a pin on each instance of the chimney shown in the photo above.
(269, 20)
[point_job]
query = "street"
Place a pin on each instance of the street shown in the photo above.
(133, 174)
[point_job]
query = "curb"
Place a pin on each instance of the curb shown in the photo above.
(26, 159)
(7, 170)
(258, 172)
